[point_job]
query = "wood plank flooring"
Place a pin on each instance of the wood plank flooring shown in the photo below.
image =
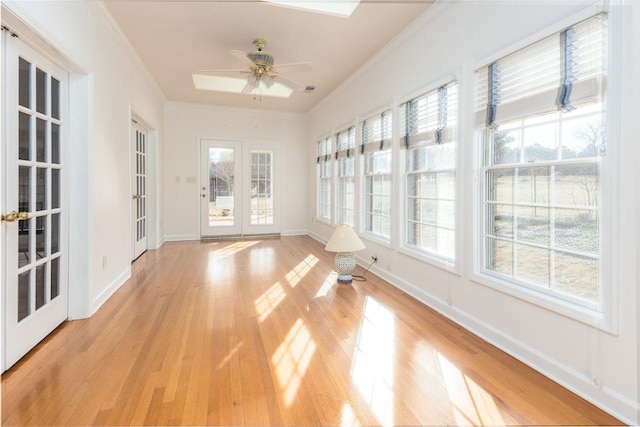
(258, 333)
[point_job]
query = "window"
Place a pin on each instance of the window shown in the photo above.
(376, 149)
(324, 179)
(541, 119)
(345, 153)
(429, 123)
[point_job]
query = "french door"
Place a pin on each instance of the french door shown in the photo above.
(139, 189)
(238, 188)
(34, 200)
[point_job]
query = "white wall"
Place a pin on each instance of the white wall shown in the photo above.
(450, 39)
(186, 124)
(108, 85)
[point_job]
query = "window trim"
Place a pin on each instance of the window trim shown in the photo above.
(351, 124)
(354, 208)
(388, 241)
(319, 218)
(606, 319)
(452, 266)
(361, 176)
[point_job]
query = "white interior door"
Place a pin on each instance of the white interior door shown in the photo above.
(220, 188)
(34, 200)
(139, 188)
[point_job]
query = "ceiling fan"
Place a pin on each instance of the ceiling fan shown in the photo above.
(262, 76)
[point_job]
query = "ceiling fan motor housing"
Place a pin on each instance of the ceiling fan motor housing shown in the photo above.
(260, 58)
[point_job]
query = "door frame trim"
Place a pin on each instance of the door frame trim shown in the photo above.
(78, 132)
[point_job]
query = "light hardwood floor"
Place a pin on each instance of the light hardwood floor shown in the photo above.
(258, 333)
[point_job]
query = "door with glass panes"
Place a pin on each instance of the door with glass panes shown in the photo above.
(139, 189)
(239, 188)
(34, 198)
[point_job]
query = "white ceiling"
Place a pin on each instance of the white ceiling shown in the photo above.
(175, 39)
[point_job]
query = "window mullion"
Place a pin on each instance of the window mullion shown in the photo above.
(552, 225)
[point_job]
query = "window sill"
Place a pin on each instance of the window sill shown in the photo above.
(324, 221)
(548, 302)
(441, 263)
(376, 239)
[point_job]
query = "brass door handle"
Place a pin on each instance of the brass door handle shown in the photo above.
(203, 195)
(14, 216)
(136, 197)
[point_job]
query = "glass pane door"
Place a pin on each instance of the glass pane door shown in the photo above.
(139, 189)
(35, 246)
(261, 187)
(220, 189)
(238, 188)
(261, 192)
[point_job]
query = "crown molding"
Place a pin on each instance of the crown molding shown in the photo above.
(100, 10)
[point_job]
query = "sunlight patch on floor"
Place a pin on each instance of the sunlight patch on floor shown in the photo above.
(292, 359)
(348, 417)
(300, 270)
(471, 404)
(228, 357)
(372, 369)
(214, 267)
(235, 247)
(269, 300)
(329, 282)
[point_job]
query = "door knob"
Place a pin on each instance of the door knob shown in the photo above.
(203, 195)
(14, 216)
(136, 197)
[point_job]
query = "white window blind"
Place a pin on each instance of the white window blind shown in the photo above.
(324, 149)
(376, 132)
(560, 72)
(346, 142)
(430, 118)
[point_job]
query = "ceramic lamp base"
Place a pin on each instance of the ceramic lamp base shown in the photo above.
(344, 263)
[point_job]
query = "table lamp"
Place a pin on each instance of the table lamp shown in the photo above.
(344, 242)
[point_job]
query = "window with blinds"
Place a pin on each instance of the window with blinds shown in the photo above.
(429, 125)
(345, 192)
(324, 179)
(376, 132)
(540, 116)
(560, 72)
(375, 147)
(431, 118)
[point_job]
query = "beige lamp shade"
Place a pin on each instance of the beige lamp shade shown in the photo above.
(344, 239)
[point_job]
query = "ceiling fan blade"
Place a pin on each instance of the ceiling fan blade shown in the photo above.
(222, 71)
(291, 83)
(242, 57)
(296, 66)
(251, 84)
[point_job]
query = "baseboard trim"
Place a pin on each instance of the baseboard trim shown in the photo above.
(103, 296)
(181, 238)
(321, 239)
(295, 233)
(621, 407)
